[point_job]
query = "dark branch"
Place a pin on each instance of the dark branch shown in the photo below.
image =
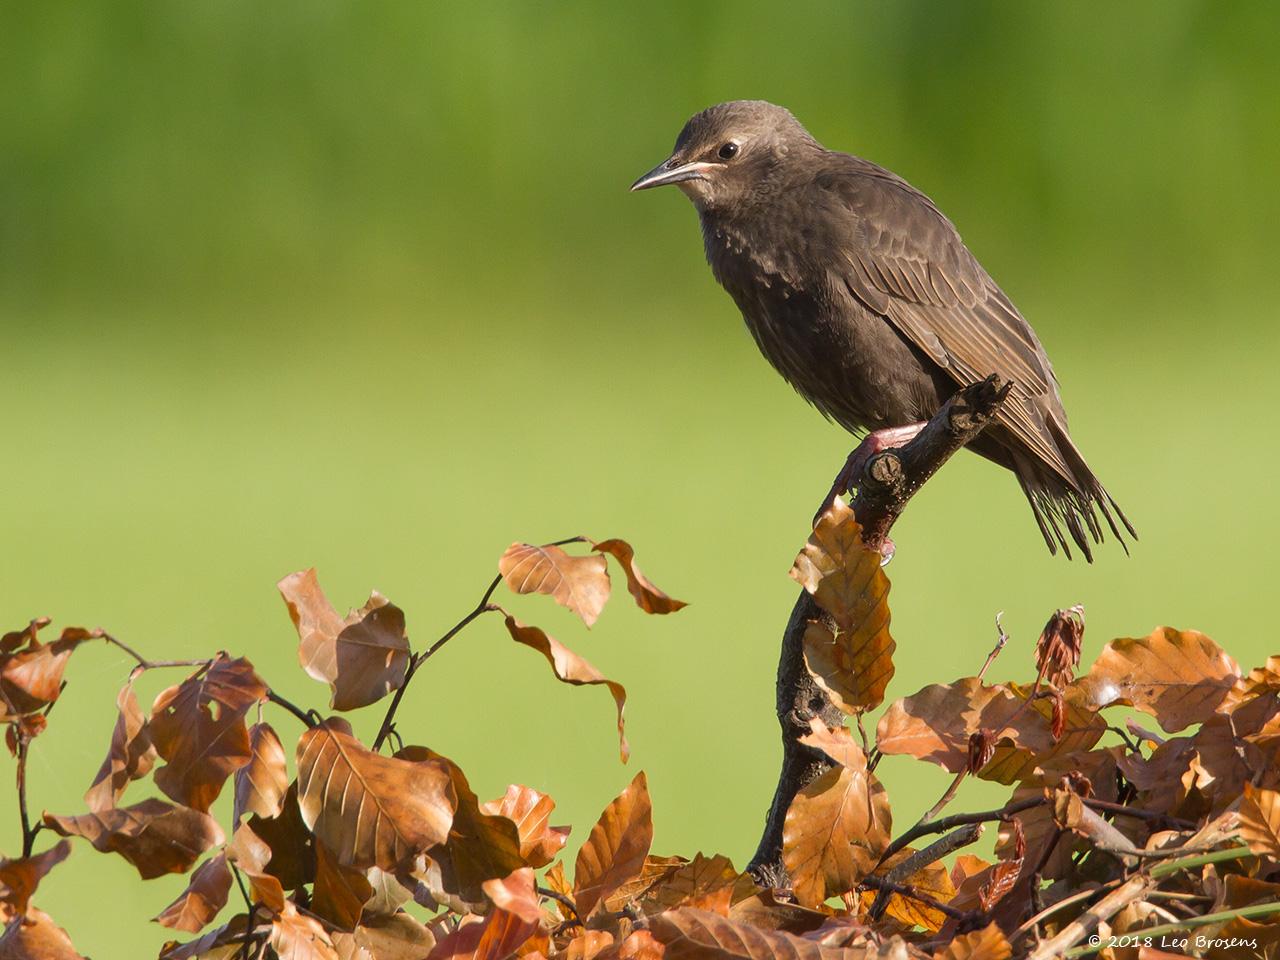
(888, 482)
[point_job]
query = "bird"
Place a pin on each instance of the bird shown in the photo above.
(861, 294)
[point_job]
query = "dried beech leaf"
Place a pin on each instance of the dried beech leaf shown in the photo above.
(340, 893)
(295, 936)
(481, 846)
(198, 728)
(588, 945)
(571, 668)
(855, 662)
(31, 671)
(988, 943)
(579, 583)
(834, 833)
(651, 872)
(250, 854)
(20, 878)
(932, 881)
(1179, 677)
(647, 596)
(515, 918)
(261, 784)
(394, 937)
(1260, 821)
(36, 937)
(704, 882)
(130, 756)
(837, 743)
(205, 895)
(223, 943)
(692, 934)
(616, 849)
(155, 836)
(362, 657)
(370, 810)
(293, 855)
(530, 811)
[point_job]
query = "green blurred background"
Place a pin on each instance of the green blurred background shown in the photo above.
(360, 286)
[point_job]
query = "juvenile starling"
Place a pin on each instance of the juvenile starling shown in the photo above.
(862, 295)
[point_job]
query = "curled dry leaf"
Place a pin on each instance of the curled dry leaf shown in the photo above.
(1058, 649)
(853, 663)
(205, 895)
(579, 583)
(198, 728)
(989, 943)
(571, 668)
(692, 934)
(515, 918)
(362, 657)
(231, 934)
(295, 936)
(155, 836)
(647, 596)
(394, 937)
(251, 854)
(615, 851)
(340, 893)
(651, 872)
(1179, 677)
(481, 846)
(370, 810)
(31, 671)
(262, 783)
(1260, 821)
(36, 937)
(291, 845)
(530, 811)
(834, 833)
(704, 882)
(19, 878)
(130, 756)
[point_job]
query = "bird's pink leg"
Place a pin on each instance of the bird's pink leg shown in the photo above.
(872, 443)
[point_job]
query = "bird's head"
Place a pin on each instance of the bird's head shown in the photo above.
(728, 154)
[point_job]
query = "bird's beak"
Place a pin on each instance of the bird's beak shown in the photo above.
(672, 171)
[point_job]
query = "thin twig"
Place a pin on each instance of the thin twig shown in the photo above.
(878, 883)
(923, 858)
(307, 717)
(146, 664)
(1120, 810)
(1001, 639)
(960, 820)
(564, 901)
(28, 832)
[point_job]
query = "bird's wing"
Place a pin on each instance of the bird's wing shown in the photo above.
(907, 262)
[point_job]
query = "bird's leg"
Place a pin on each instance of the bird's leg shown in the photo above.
(872, 443)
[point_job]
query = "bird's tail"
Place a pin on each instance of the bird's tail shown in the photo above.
(1067, 509)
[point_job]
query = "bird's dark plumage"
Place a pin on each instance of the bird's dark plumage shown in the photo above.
(862, 295)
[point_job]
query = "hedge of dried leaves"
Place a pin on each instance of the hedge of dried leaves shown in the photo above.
(383, 851)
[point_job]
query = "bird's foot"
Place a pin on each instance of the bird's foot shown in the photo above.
(875, 442)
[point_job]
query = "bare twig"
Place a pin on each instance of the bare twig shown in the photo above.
(564, 901)
(1001, 639)
(923, 858)
(879, 883)
(960, 820)
(1120, 810)
(28, 832)
(307, 717)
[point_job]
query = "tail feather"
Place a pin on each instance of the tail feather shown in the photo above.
(1070, 505)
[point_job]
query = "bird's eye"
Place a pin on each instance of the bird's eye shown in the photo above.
(728, 151)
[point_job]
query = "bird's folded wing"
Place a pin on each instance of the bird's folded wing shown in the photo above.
(907, 262)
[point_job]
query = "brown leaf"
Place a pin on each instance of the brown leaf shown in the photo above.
(205, 895)
(370, 810)
(579, 583)
(362, 658)
(932, 881)
(1179, 677)
(340, 893)
(571, 668)
(647, 596)
(1260, 821)
(855, 662)
(20, 878)
(250, 854)
(692, 934)
(262, 783)
(1058, 649)
(395, 937)
(293, 856)
(588, 945)
(155, 836)
(837, 743)
(36, 937)
(988, 943)
(481, 846)
(212, 944)
(834, 833)
(130, 756)
(766, 911)
(198, 728)
(616, 849)
(651, 872)
(298, 937)
(530, 811)
(704, 882)
(31, 671)
(515, 918)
